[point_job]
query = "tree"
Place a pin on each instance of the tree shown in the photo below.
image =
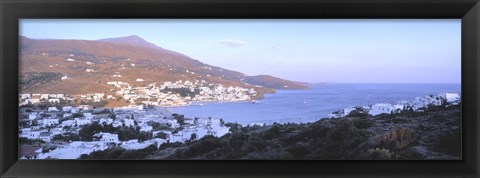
(87, 131)
(113, 116)
(180, 119)
(193, 136)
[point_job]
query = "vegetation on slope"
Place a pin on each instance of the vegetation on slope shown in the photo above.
(433, 134)
(27, 80)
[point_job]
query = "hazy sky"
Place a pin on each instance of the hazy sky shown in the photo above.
(339, 51)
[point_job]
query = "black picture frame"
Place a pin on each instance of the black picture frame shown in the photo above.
(13, 10)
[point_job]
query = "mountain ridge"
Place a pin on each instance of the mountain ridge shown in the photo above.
(131, 56)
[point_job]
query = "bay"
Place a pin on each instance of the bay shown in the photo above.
(300, 106)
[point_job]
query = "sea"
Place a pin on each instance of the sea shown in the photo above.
(302, 106)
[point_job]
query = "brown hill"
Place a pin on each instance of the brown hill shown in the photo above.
(275, 82)
(90, 64)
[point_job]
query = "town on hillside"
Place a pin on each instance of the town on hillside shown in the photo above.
(59, 120)
(68, 132)
(178, 93)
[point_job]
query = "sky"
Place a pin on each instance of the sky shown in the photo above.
(307, 50)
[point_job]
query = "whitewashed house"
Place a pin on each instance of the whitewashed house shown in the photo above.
(452, 97)
(85, 107)
(45, 136)
(52, 109)
(33, 134)
(66, 108)
(129, 122)
(88, 116)
(117, 123)
(57, 131)
(69, 123)
(189, 121)
(108, 137)
(75, 110)
(82, 121)
(146, 128)
(32, 116)
(347, 111)
(397, 108)
(67, 115)
(50, 122)
(54, 100)
(381, 108)
(105, 121)
(44, 97)
(74, 150)
(25, 96)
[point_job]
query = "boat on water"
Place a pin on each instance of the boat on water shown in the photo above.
(255, 102)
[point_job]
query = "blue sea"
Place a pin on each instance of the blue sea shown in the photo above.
(300, 106)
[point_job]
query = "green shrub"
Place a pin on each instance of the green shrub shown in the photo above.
(363, 123)
(396, 139)
(377, 154)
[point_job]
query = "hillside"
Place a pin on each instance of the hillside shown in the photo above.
(274, 82)
(433, 135)
(90, 64)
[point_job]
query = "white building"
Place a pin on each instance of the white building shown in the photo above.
(82, 121)
(381, 108)
(74, 150)
(66, 108)
(54, 100)
(88, 116)
(32, 134)
(146, 128)
(50, 122)
(75, 110)
(129, 122)
(69, 123)
(397, 108)
(106, 121)
(452, 97)
(45, 136)
(32, 116)
(108, 137)
(53, 109)
(347, 111)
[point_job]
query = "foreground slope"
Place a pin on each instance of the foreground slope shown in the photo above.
(433, 134)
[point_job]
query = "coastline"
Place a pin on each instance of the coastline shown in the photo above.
(378, 125)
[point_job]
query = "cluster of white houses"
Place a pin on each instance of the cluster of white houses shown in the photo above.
(163, 95)
(46, 124)
(27, 98)
(418, 104)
